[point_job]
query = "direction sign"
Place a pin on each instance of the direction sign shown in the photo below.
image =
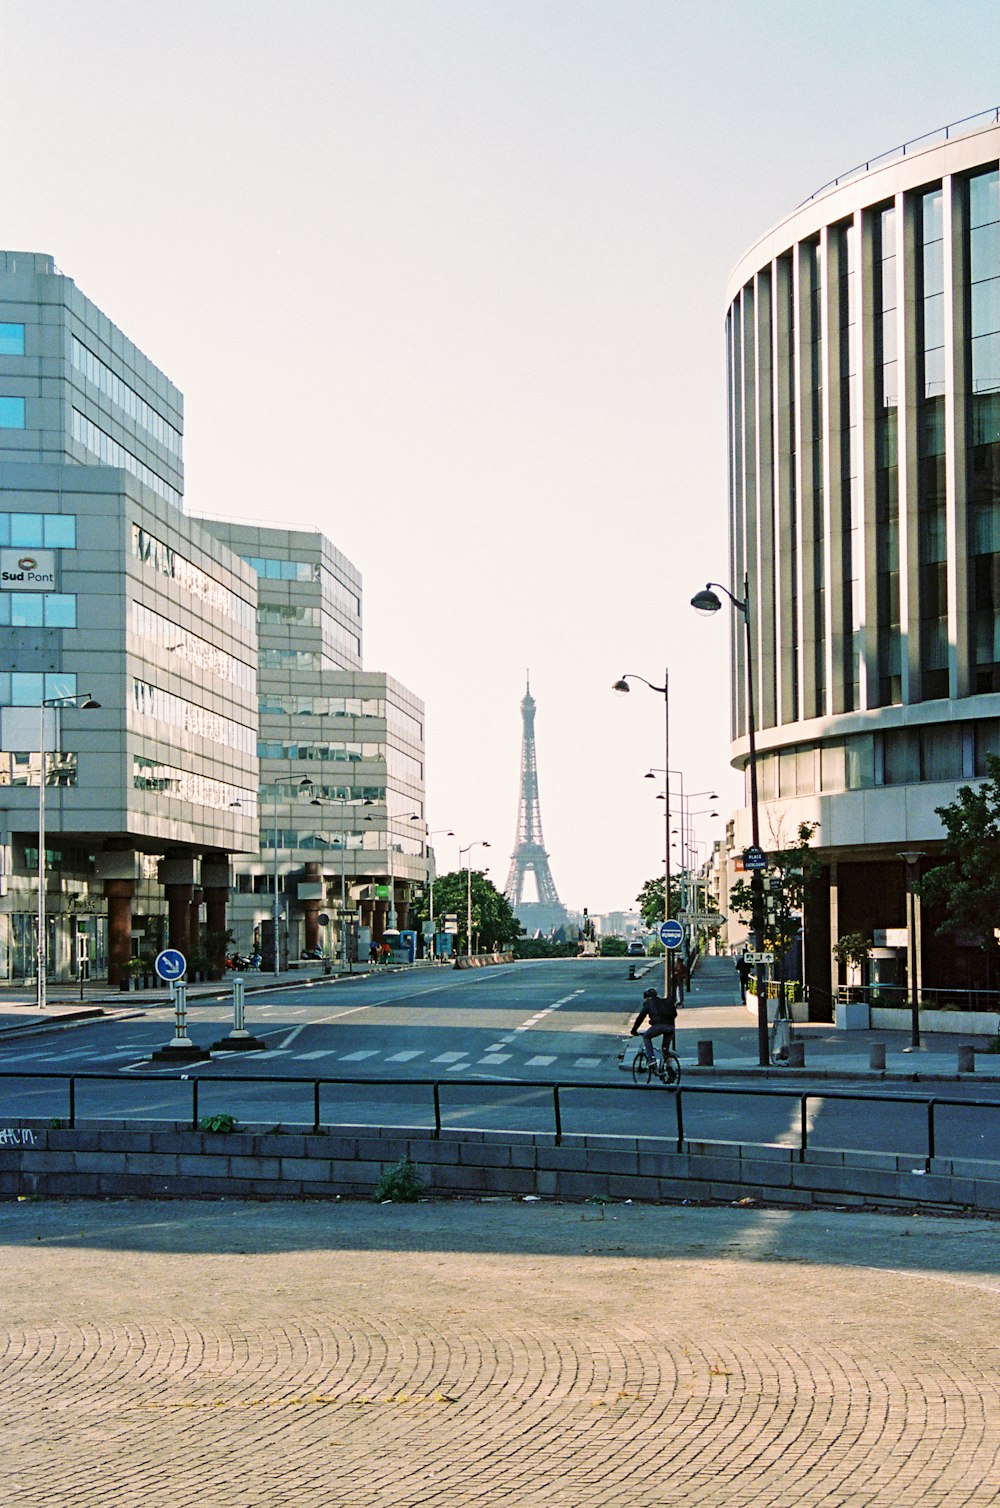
(760, 958)
(754, 858)
(170, 964)
(671, 934)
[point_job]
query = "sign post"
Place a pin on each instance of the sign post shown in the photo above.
(671, 933)
(170, 965)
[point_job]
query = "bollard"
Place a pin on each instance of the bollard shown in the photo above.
(967, 1059)
(876, 1056)
(181, 1049)
(239, 1039)
(706, 1055)
(631, 971)
(796, 1055)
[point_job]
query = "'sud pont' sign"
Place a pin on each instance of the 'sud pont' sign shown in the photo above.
(27, 570)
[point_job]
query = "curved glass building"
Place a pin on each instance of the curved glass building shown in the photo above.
(863, 353)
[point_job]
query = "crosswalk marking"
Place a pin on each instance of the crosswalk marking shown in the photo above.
(587, 1063)
(450, 1057)
(306, 1057)
(405, 1057)
(356, 1057)
(496, 1057)
(539, 1062)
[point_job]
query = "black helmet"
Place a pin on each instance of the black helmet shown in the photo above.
(648, 994)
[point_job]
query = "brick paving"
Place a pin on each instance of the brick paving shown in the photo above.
(237, 1355)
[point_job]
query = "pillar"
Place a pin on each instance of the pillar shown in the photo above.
(215, 887)
(119, 895)
(176, 875)
(312, 879)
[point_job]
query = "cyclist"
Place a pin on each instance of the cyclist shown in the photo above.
(662, 1016)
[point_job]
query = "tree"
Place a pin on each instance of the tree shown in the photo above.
(650, 899)
(967, 887)
(790, 870)
(853, 950)
(613, 947)
(494, 924)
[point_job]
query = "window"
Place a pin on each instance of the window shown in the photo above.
(22, 688)
(11, 413)
(37, 610)
(11, 340)
(901, 755)
(51, 531)
(110, 453)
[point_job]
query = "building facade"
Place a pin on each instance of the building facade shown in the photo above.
(342, 831)
(863, 348)
(239, 752)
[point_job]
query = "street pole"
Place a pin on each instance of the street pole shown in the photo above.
(912, 860)
(622, 687)
(480, 843)
(708, 602)
(274, 911)
(85, 703)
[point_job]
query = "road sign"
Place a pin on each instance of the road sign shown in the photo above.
(760, 958)
(754, 858)
(710, 918)
(671, 934)
(170, 964)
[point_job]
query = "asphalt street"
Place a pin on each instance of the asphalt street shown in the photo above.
(493, 1039)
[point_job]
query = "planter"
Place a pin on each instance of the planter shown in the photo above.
(961, 1023)
(852, 1016)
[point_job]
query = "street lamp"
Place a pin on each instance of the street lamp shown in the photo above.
(707, 602)
(411, 817)
(341, 843)
(480, 843)
(622, 686)
(912, 858)
(84, 702)
(430, 882)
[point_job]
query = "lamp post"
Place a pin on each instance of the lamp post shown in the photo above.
(912, 858)
(707, 602)
(686, 800)
(411, 817)
(480, 843)
(622, 686)
(430, 882)
(341, 843)
(85, 703)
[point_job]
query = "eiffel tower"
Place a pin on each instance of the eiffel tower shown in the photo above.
(547, 912)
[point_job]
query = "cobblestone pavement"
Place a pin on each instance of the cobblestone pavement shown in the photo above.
(233, 1355)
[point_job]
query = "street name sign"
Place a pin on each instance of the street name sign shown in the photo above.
(754, 858)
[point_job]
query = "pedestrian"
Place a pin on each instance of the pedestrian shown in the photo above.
(744, 970)
(680, 980)
(373, 953)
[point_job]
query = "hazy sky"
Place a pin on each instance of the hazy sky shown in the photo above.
(445, 279)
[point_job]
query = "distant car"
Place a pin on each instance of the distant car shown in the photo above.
(636, 950)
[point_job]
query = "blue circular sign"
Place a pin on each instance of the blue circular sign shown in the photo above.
(170, 964)
(671, 934)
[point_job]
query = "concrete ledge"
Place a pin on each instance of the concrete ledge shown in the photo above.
(175, 1162)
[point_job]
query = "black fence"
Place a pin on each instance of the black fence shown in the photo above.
(310, 1092)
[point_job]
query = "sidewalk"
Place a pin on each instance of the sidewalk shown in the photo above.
(19, 1011)
(712, 1012)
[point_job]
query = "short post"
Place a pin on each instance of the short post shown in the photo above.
(180, 1049)
(796, 1055)
(239, 1039)
(876, 1056)
(967, 1059)
(706, 1055)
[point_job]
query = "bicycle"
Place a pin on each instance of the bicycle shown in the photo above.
(666, 1066)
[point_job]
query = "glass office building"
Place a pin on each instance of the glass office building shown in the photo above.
(863, 361)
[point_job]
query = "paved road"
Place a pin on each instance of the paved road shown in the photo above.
(461, 1354)
(475, 1032)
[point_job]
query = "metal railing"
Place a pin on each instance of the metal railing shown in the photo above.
(932, 997)
(932, 1103)
(965, 127)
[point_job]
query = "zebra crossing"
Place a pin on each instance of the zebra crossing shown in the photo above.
(418, 1061)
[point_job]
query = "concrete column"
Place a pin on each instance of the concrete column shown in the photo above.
(312, 874)
(215, 885)
(179, 916)
(834, 931)
(380, 913)
(119, 895)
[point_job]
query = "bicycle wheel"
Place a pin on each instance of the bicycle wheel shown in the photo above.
(642, 1070)
(670, 1074)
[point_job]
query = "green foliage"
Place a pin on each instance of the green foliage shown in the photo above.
(967, 887)
(790, 870)
(853, 949)
(221, 1123)
(543, 947)
(494, 924)
(613, 947)
(400, 1184)
(650, 899)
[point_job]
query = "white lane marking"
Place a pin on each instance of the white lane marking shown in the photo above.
(406, 1057)
(306, 1057)
(540, 1015)
(496, 1046)
(356, 1057)
(450, 1057)
(540, 1062)
(587, 1063)
(497, 1057)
